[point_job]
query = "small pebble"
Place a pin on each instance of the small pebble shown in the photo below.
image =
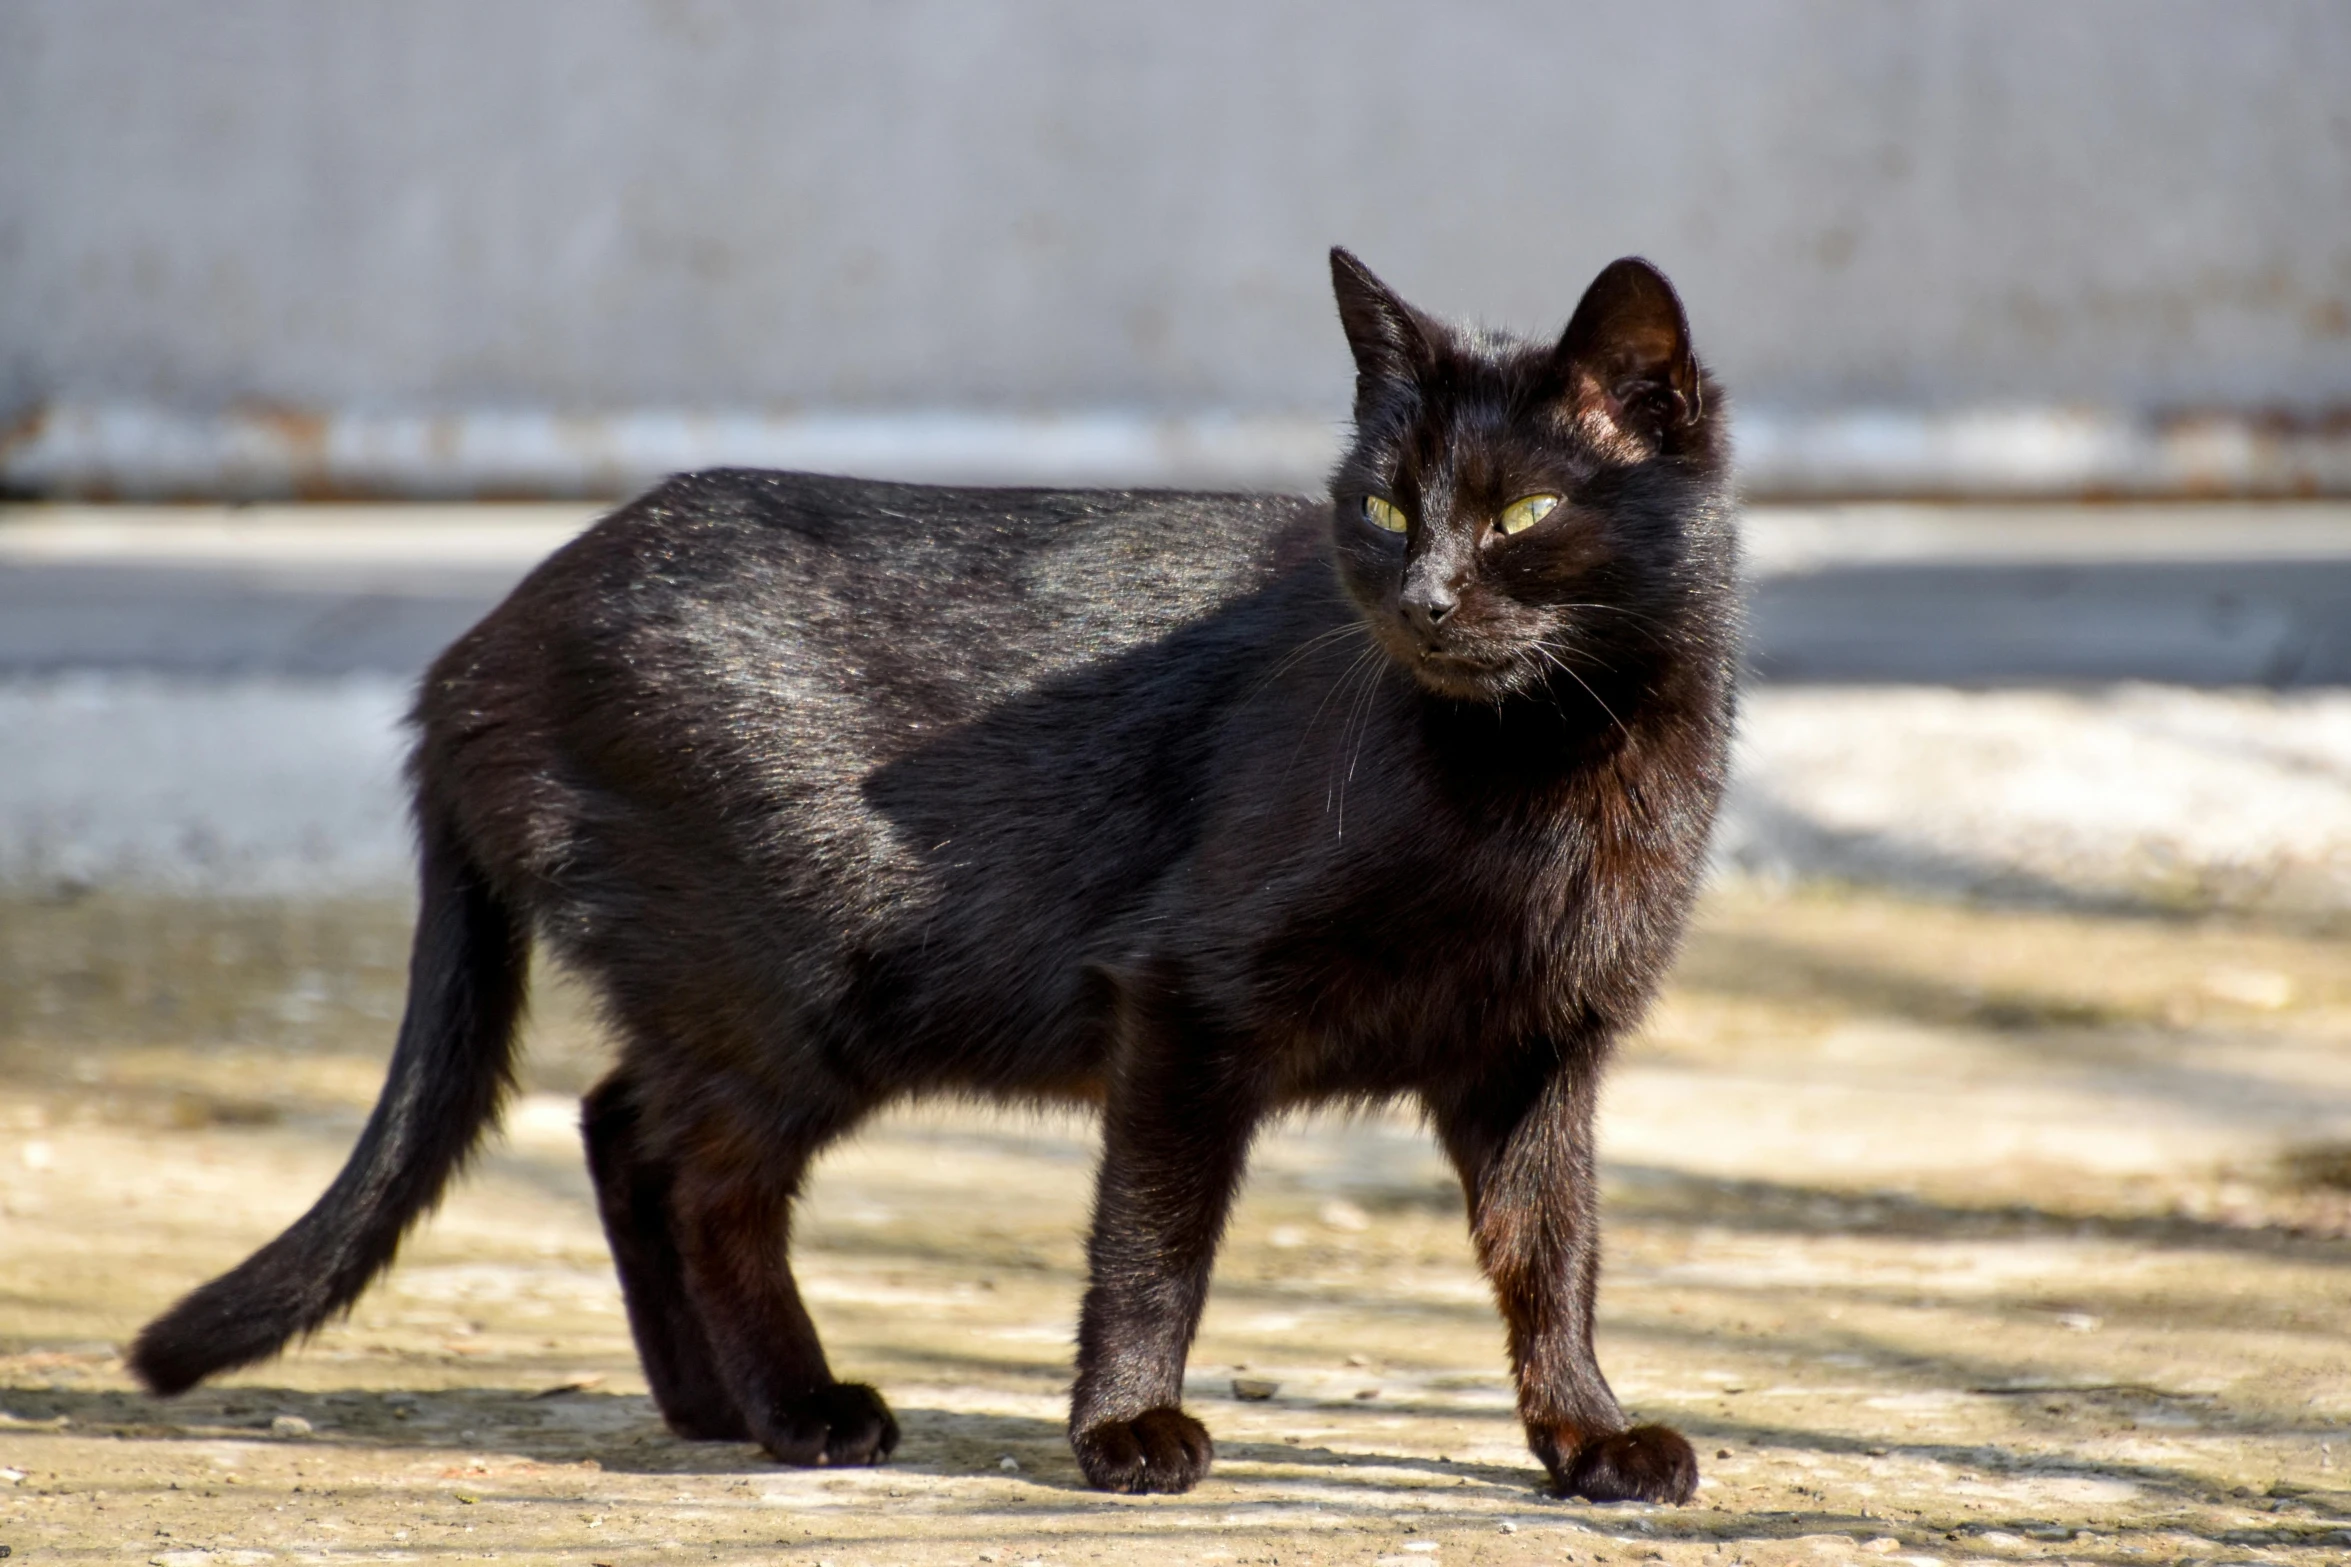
(289, 1425)
(1011, 1466)
(1255, 1390)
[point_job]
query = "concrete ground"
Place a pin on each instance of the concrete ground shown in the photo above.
(1949, 1234)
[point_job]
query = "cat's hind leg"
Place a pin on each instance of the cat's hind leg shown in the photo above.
(731, 1202)
(738, 1165)
(633, 1194)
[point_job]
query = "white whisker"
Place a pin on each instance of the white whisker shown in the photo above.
(1562, 666)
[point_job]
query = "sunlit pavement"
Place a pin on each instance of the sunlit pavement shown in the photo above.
(1948, 1234)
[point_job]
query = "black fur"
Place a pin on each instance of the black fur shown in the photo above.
(1194, 807)
(449, 1071)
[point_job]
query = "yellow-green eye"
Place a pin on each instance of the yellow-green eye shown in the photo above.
(1384, 514)
(1525, 512)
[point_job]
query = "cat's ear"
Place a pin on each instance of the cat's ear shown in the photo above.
(1389, 337)
(1624, 364)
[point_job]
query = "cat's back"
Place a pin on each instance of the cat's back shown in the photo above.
(743, 647)
(947, 597)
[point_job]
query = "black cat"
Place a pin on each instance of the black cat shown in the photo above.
(1193, 807)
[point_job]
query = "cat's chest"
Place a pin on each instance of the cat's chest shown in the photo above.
(1414, 899)
(1448, 916)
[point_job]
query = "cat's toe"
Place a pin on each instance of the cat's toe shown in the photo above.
(844, 1424)
(1162, 1450)
(1644, 1464)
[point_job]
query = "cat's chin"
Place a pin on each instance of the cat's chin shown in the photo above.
(1461, 679)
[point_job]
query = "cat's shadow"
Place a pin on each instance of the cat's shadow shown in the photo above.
(494, 1429)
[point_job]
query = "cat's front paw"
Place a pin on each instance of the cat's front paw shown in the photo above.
(846, 1423)
(1644, 1464)
(1162, 1450)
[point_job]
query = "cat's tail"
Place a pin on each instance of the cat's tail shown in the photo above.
(450, 1072)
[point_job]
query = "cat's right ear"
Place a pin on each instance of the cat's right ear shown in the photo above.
(1624, 364)
(1389, 337)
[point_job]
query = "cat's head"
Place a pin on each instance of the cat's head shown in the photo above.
(1517, 515)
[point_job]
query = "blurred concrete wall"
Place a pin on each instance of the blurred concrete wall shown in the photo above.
(618, 204)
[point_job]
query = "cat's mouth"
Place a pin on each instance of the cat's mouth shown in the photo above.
(1463, 675)
(1465, 664)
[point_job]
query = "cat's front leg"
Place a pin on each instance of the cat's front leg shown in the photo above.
(1524, 1151)
(1176, 1132)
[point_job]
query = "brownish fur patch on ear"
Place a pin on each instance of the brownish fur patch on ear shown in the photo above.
(1593, 413)
(1629, 382)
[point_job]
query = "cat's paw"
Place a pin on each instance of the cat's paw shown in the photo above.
(846, 1423)
(1162, 1450)
(1644, 1464)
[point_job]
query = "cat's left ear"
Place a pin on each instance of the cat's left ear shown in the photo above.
(1390, 338)
(1624, 363)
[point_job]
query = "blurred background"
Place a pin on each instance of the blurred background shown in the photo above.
(2037, 320)
(2000, 1112)
(460, 248)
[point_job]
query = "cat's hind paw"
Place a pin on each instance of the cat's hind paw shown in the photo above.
(1644, 1464)
(841, 1425)
(1162, 1450)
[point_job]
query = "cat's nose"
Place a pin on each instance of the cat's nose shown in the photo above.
(1426, 608)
